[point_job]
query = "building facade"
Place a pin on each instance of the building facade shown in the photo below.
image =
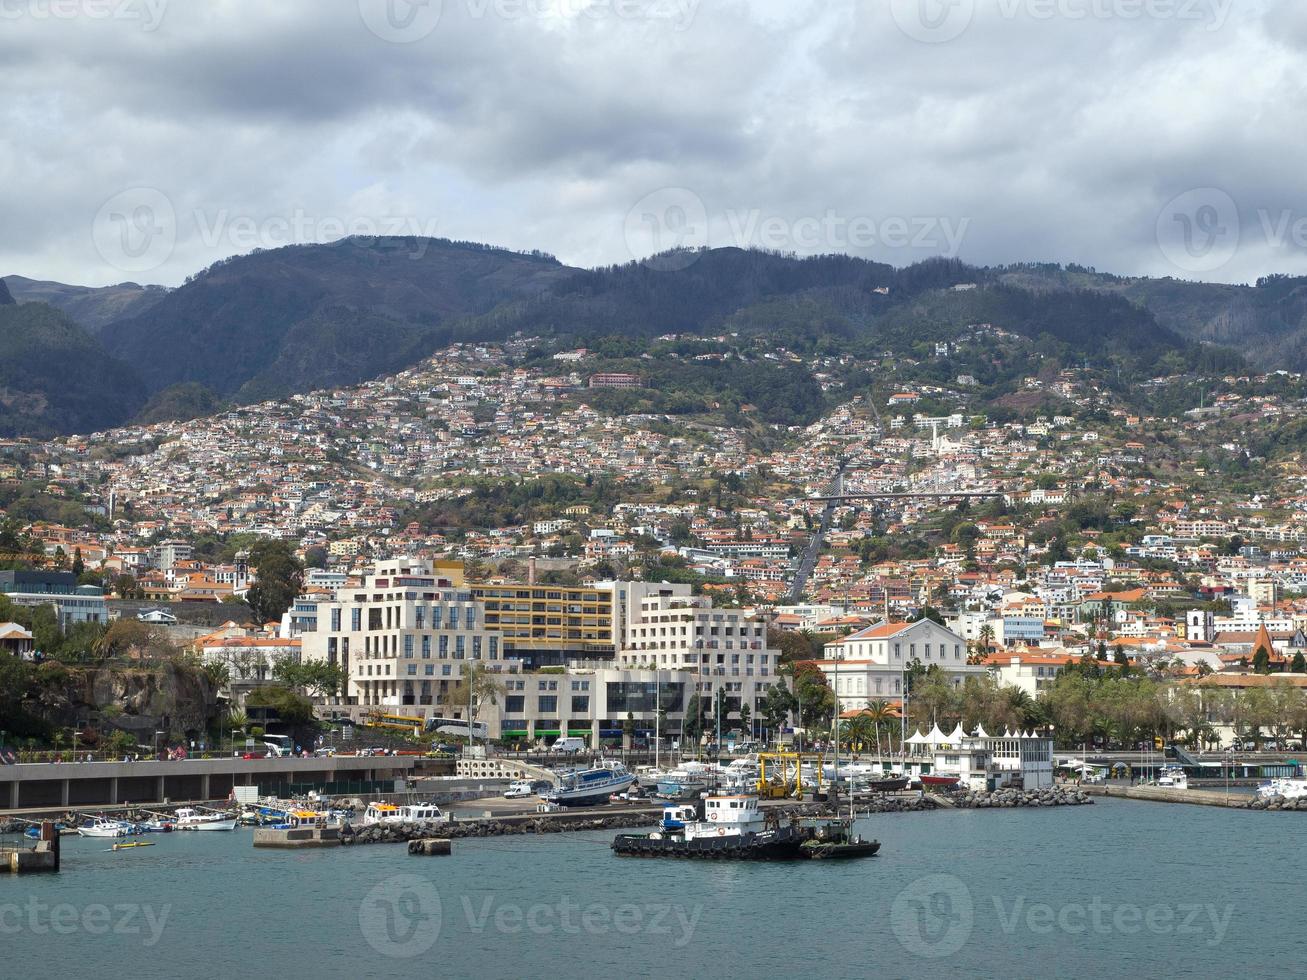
(72, 603)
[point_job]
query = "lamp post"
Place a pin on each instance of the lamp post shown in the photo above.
(156, 743)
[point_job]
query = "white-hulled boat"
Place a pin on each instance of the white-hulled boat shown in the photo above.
(1287, 789)
(104, 827)
(733, 827)
(390, 813)
(1172, 777)
(589, 787)
(188, 819)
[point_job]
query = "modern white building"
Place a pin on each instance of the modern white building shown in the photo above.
(405, 636)
(870, 665)
(719, 648)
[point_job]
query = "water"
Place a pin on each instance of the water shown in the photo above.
(1115, 889)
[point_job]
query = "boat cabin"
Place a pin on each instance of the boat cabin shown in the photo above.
(726, 815)
(381, 813)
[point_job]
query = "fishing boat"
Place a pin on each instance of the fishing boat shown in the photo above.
(104, 827)
(591, 786)
(188, 819)
(388, 814)
(733, 828)
(835, 840)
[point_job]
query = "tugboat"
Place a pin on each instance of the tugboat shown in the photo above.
(733, 829)
(836, 840)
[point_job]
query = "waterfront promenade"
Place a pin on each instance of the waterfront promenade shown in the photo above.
(74, 784)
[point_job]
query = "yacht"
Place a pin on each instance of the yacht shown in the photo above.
(588, 787)
(1172, 777)
(104, 827)
(188, 819)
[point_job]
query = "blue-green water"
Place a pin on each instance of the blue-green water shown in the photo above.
(1114, 889)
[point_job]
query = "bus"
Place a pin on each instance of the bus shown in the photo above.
(458, 728)
(279, 745)
(408, 724)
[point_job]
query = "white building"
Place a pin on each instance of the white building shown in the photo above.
(870, 665)
(405, 636)
(1019, 760)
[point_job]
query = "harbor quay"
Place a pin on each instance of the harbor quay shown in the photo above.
(81, 784)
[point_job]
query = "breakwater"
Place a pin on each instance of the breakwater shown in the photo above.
(1199, 797)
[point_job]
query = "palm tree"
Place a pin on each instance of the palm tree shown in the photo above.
(986, 637)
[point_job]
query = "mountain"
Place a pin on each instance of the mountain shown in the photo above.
(301, 317)
(5, 298)
(1266, 322)
(90, 306)
(56, 378)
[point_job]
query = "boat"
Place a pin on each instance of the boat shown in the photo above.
(389, 814)
(684, 783)
(34, 832)
(888, 784)
(675, 816)
(1294, 788)
(104, 827)
(188, 819)
(1172, 777)
(835, 840)
(939, 781)
(122, 845)
(157, 825)
(734, 828)
(591, 786)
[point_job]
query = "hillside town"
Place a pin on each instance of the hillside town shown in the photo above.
(1089, 534)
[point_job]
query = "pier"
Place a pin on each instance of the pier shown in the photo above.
(1162, 794)
(43, 855)
(45, 785)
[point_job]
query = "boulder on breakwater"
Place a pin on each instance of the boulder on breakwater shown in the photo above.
(404, 833)
(1275, 803)
(1009, 798)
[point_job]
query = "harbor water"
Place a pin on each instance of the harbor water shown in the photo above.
(1119, 888)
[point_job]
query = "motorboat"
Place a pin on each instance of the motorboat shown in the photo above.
(390, 814)
(157, 825)
(188, 819)
(733, 828)
(104, 827)
(1172, 777)
(588, 787)
(939, 780)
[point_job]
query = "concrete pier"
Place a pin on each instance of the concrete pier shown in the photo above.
(1162, 794)
(41, 856)
(90, 784)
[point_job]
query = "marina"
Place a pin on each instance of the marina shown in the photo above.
(1067, 858)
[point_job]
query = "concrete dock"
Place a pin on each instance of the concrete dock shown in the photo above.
(43, 855)
(1162, 794)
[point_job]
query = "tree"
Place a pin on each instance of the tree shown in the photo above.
(1261, 661)
(292, 708)
(1299, 663)
(318, 678)
(279, 578)
(986, 636)
(745, 716)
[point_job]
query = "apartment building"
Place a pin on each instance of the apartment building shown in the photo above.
(549, 625)
(405, 636)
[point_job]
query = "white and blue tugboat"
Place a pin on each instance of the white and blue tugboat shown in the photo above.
(733, 828)
(589, 787)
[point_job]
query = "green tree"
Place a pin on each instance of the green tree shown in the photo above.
(1261, 661)
(1299, 663)
(279, 578)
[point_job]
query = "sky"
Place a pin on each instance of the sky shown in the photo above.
(143, 140)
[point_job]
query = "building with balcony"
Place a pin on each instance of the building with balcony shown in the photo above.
(549, 625)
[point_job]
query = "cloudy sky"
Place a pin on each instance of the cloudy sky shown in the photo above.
(144, 139)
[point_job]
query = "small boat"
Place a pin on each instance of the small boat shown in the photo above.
(734, 829)
(122, 845)
(1172, 777)
(188, 819)
(939, 781)
(835, 840)
(34, 832)
(888, 784)
(591, 786)
(391, 814)
(158, 825)
(104, 827)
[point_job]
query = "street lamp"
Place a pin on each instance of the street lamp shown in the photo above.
(156, 743)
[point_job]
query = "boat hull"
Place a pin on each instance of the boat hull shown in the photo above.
(773, 845)
(591, 795)
(889, 785)
(212, 825)
(837, 851)
(940, 782)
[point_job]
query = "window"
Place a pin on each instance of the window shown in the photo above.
(514, 704)
(494, 648)
(355, 620)
(421, 615)
(408, 645)
(435, 617)
(453, 617)
(580, 704)
(548, 704)
(444, 646)
(426, 646)
(335, 621)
